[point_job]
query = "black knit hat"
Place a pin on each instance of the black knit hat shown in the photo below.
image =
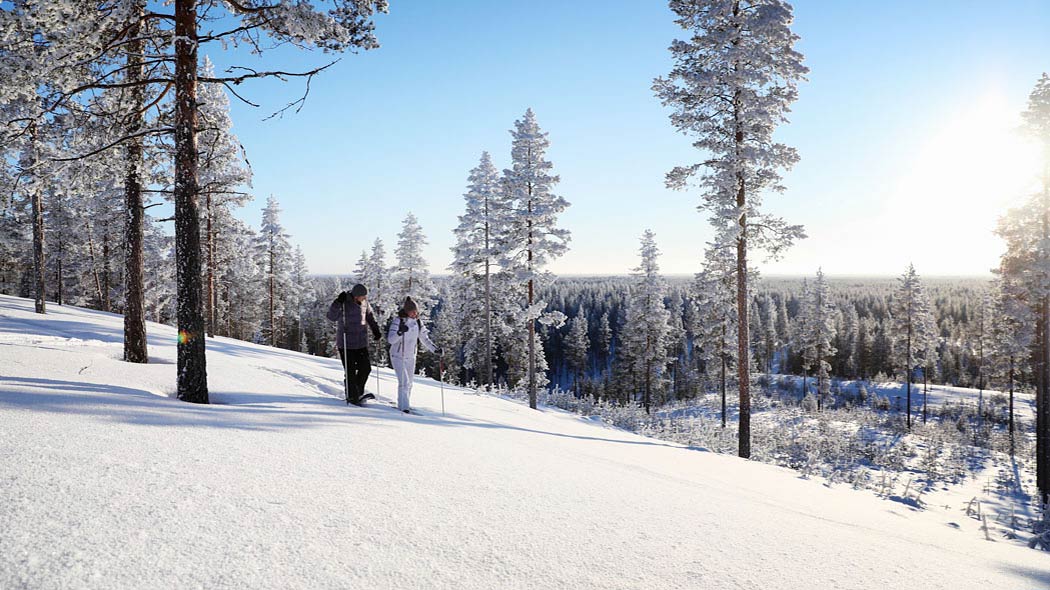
(359, 290)
(409, 305)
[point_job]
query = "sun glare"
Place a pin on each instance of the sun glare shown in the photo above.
(973, 167)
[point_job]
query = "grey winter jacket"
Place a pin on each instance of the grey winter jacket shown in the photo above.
(351, 318)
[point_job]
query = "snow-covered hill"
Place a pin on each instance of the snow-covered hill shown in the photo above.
(107, 482)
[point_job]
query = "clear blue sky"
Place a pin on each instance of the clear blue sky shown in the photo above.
(905, 129)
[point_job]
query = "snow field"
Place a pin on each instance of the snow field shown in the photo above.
(106, 482)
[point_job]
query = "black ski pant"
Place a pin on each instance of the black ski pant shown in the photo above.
(357, 365)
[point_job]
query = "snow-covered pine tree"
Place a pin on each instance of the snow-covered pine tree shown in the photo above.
(1026, 267)
(475, 255)
(717, 311)
(275, 259)
(411, 275)
(577, 346)
(647, 335)
(223, 171)
(529, 236)
(819, 330)
(732, 83)
(1013, 330)
(912, 326)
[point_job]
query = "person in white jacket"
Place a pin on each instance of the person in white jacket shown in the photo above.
(405, 331)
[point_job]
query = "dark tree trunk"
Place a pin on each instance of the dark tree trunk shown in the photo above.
(723, 377)
(532, 322)
(1011, 429)
(210, 245)
(907, 408)
(107, 271)
(39, 262)
(192, 367)
(135, 350)
(273, 326)
(488, 307)
(925, 391)
(743, 336)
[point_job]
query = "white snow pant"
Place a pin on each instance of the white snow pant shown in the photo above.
(405, 369)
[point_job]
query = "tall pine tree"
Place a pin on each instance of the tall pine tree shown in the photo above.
(732, 83)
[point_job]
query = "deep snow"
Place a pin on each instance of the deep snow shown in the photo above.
(106, 482)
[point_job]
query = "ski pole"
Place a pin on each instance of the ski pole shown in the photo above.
(441, 367)
(345, 359)
(379, 355)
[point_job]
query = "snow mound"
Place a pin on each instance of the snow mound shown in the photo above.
(107, 482)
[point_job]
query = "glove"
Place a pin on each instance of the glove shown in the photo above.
(376, 334)
(402, 327)
(341, 298)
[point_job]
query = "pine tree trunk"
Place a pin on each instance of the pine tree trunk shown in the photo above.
(907, 409)
(94, 263)
(743, 325)
(58, 279)
(273, 327)
(1043, 384)
(723, 378)
(532, 322)
(532, 351)
(1011, 428)
(648, 376)
(107, 304)
(488, 316)
(39, 262)
(134, 309)
(925, 391)
(210, 297)
(192, 366)
(135, 350)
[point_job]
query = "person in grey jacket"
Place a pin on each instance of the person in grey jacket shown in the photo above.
(353, 317)
(406, 330)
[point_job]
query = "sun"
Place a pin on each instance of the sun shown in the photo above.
(973, 165)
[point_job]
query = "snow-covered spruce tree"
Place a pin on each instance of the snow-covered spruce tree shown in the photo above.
(474, 252)
(448, 334)
(717, 316)
(981, 343)
(274, 253)
(411, 276)
(604, 351)
(242, 277)
(577, 347)
(529, 236)
(647, 335)
(731, 85)
(373, 272)
(1012, 333)
(819, 331)
(299, 294)
(912, 327)
(677, 342)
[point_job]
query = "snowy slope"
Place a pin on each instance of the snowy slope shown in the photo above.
(106, 482)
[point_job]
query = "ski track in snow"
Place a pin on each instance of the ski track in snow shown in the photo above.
(107, 482)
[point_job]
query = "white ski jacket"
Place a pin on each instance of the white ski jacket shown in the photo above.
(403, 346)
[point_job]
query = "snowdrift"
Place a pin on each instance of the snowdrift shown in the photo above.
(107, 482)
